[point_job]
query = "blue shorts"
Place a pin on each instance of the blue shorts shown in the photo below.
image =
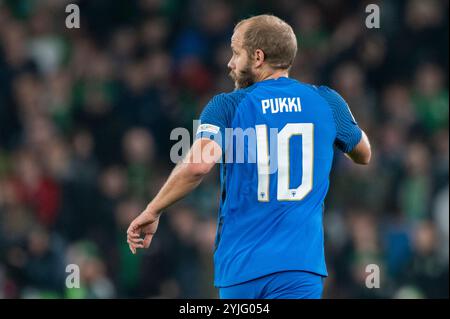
(280, 285)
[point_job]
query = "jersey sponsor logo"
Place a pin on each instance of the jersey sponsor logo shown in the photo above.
(281, 105)
(208, 128)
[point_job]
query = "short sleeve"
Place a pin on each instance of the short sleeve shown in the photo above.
(214, 119)
(348, 133)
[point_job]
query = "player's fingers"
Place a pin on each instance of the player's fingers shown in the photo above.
(136, 246)
(133, 238)
(134, 226)
(147, 240)
(135, 241)
(133, 235)
(132, 229)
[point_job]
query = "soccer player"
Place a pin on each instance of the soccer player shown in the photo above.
(270, 240)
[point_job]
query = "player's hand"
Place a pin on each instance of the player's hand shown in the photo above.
(145, 224)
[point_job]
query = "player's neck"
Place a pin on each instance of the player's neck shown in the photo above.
(273, 75)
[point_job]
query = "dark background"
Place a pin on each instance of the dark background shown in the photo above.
(85, 119)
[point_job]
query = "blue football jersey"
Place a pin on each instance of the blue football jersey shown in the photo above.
(278, 139)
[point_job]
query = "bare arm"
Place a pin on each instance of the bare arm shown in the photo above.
(361, 153)
(185, 177)
(188, 174)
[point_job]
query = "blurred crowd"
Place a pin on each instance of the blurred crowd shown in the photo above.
(85, 122)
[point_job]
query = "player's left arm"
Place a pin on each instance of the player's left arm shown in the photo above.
(185, 177)
(362, 152)
(350, 138)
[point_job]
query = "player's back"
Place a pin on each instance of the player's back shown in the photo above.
(275, 179)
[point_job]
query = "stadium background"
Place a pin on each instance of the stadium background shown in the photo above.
(85, 118)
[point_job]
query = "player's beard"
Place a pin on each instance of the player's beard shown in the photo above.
(244, 78)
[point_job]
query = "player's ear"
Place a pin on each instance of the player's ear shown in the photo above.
(259, 57)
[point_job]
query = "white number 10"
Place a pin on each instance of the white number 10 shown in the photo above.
(284, 193)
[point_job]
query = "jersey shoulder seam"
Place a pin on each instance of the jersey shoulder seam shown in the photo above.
(245, 92)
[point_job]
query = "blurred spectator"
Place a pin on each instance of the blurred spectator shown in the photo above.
(36, 189)
(93, 280)
(416, 186)
(426, 271)
(44, 269)
(362, 248)
(138, 147)
(184, 223)
(431, 98)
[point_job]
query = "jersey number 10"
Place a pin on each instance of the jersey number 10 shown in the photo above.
(284, 193)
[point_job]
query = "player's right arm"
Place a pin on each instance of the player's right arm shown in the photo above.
(350, 138)
(187, 175)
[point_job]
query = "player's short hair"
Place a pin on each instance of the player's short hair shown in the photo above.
(273, 36)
